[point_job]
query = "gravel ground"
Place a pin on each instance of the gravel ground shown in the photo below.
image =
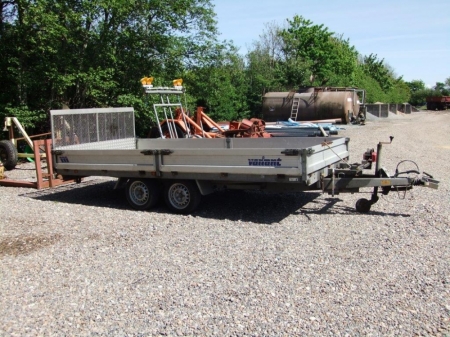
(75, 260)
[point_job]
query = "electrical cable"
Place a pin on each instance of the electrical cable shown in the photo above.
(397, 173)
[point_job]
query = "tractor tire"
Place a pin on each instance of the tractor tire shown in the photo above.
(8, 154)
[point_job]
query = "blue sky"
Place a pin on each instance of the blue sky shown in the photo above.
(412, 36)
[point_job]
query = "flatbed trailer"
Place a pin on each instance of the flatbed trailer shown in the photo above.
(102, 142)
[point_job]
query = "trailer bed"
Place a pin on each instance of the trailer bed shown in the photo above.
(102, 142)
(263, 159)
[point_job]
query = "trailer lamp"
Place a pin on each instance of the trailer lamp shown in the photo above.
(147, 81)
(178, 83)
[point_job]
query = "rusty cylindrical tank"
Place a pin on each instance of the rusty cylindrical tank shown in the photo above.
(313, 104)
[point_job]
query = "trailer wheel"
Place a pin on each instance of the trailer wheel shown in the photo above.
(182, 196)
(363, 205)
(8, 154)
(142, 194)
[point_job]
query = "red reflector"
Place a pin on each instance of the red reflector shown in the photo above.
(374, 157)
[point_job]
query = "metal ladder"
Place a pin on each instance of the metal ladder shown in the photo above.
(294, 109)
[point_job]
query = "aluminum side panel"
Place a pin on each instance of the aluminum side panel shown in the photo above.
(111, 160)
(326, 156)
(237, 143)
(216, 158)
(106, 167)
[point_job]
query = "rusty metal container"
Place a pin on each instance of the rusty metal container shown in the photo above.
(438, 102)
(313, 104)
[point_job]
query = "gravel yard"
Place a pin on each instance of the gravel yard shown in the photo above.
(76, 260)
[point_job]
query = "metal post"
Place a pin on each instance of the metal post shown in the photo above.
(375, 198)
(97, 127)
(377, 165)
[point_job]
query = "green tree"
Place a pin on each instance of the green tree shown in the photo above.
(418, 98)
(92, 53)
(380, 81)
(418, 92)
(343, 69)
(264, 71)
(326, 58)
(415, 85)
(399, 93)
(374, 92)
(301, 54)
(218, 83)
(442, 88)
(378, 70)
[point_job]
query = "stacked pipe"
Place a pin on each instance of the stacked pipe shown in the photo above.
(296, 129)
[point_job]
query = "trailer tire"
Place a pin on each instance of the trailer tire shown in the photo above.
(8, 154)
(182, 196)
(363, 205)
(142, 194)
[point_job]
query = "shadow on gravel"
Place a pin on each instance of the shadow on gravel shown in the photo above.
(253, 206)
(98, 193)
(331, 206)
(233, 205)
(263, 207)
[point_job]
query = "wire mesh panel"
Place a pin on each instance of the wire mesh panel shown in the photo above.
(108, 128)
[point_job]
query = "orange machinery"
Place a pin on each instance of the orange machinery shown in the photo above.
(174, 122)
